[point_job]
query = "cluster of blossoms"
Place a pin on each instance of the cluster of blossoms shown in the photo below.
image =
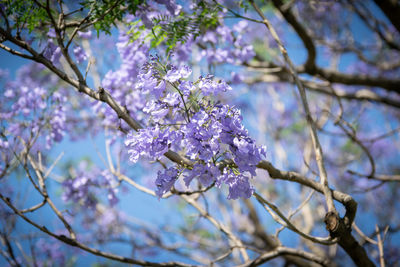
(226, 45)
(83, 188)
(220, 45)
(121, 82)
(30, 109)
(104, 223)
(50, 253)
(184, 117)
(53, 52)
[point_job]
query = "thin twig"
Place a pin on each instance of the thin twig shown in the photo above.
(314, 137)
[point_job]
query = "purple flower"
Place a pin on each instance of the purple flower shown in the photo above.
(165, 180)
(79, 54)
(205, 132)
(210, 37)
(246, 154)
(85, 35)
(205, 173)
(239, 185)
(9, 93)
(172, 100)
(236, 77)
(201, 136)
(52, 52)
(208, 86)
(151, 142)
(85, 187)
(3, 144)
(52, 251)
(174, 73)
(51, 33)
(111, 183)
(171, 6)
(157, 109)
(148, 82)
(240, 26)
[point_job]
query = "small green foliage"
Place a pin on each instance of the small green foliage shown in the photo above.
(203, 233)
(262, 50)
(243, 5)
(171, 30)
(24, 14)
(352, 148)
(106, 12)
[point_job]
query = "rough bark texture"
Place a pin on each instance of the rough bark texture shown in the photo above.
(338, 228)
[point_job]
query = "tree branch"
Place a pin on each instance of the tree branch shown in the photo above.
(391, 10)
(82, 246)
(313, 132)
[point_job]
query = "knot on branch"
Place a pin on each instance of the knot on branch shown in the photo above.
(336, 226)
(332, 222)
(67, 240)
(101, 92)
(80, 87)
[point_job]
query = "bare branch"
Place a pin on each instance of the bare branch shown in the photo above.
(280, 251)
(314, 136)
(82, 246)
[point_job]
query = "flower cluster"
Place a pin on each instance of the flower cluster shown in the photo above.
(50, 253)
(80, 54)
(36, 110)
(226, 45)
(183, 116)
(52, 51)
(121, 83)
(84, 186)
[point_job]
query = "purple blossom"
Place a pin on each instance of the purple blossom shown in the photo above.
(128, 83)
(111, 183)
(208, 86)
(4, 144)
(239, 185)
(240, 26)
(210, 37)
(51, 33)
(174, 73)
(85, 35)
(186, 87)
(52, 251)
(201, 136)
(205, 173)
(165, 180)
(52, 52)
(244, 53)
(86, 187)
(77, 190)
(224, 45)
(148, 82)
(79, 54)
(157, 109)
(9, 93)
(172, 99)
(152, 142)
(236, 77)
(184, 51)
(207, 133)
(246, 154)
(171, 6)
